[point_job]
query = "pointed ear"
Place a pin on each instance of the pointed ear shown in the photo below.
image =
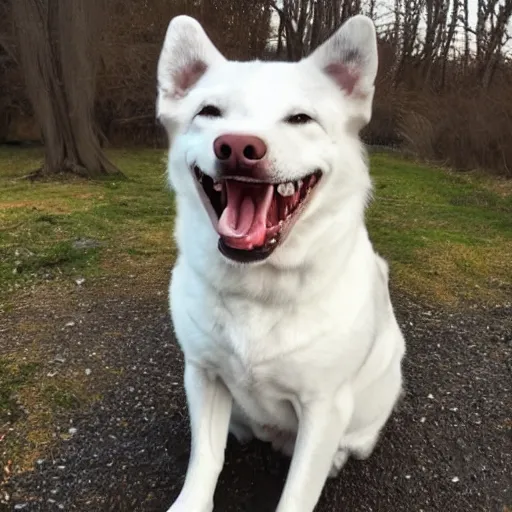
(350, 59)
(186, 55)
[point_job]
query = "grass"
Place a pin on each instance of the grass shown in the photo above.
(13, 376)
(124, 223)
(30, 408)
(447, 236)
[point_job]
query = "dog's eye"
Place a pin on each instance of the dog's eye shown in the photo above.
(299, 119)
(210, 111)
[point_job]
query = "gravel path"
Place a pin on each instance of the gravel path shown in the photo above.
(448, 447)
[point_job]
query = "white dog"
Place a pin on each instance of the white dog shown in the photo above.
(278, 300)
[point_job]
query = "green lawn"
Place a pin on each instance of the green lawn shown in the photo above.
(448, 236)
(125, 223)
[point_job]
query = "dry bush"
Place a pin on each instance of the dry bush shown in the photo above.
(472, 129)
(387, 104)
(388, 110)
(453, 120)
(465, 130)
(131, 46)
(465, 126)
(125, 105)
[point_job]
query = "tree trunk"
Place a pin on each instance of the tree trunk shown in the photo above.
(449, 40)
(57, 42)
(371, 9)
(408, 32)
(316, 25)
(280, 31)
(397, 43)
(466, 36)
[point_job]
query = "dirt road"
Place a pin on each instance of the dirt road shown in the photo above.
(448, 448)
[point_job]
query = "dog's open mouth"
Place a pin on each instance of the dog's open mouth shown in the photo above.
(253, 217)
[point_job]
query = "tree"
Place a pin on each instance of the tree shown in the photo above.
(305, 24)
(496, 38)
(449, 40)
(408, 29)
(436, 11)
(58, 55)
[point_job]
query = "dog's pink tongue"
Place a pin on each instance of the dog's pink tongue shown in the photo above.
(242, 224)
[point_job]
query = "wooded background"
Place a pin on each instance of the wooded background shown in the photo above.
(80, 74)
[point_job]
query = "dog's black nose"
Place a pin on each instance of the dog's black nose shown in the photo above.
(239, 151)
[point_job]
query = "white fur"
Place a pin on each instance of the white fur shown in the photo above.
(303, 349)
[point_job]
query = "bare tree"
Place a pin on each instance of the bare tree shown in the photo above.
(466, 35)
(484, 13)
(371, 9)
(412, 10)
(436, 11)
(295, 19)
(304, 24)
(496, 38)
(448, 42)
(58, 49)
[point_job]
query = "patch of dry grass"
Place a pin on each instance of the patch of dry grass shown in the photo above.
(31, 404)
(447, 236)
(125, 222)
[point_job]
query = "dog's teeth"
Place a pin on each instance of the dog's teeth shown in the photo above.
(299, 185)
(273, 241)
(217, 186)
(286, 189)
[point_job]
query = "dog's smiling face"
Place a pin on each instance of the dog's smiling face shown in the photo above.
(259, 147)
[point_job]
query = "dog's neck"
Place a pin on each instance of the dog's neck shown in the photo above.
(295, 266)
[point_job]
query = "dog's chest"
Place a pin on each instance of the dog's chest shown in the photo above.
(269, 352)
(251, 356)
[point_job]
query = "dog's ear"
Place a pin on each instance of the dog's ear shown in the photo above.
(349, 57)
(186, 55)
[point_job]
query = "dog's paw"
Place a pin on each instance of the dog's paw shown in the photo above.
(364, 448)
(362, 453)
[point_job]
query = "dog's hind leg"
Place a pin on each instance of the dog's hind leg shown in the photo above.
(362, 440)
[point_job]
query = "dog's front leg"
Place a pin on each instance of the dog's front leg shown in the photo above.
(209, 404)
(321, 426)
